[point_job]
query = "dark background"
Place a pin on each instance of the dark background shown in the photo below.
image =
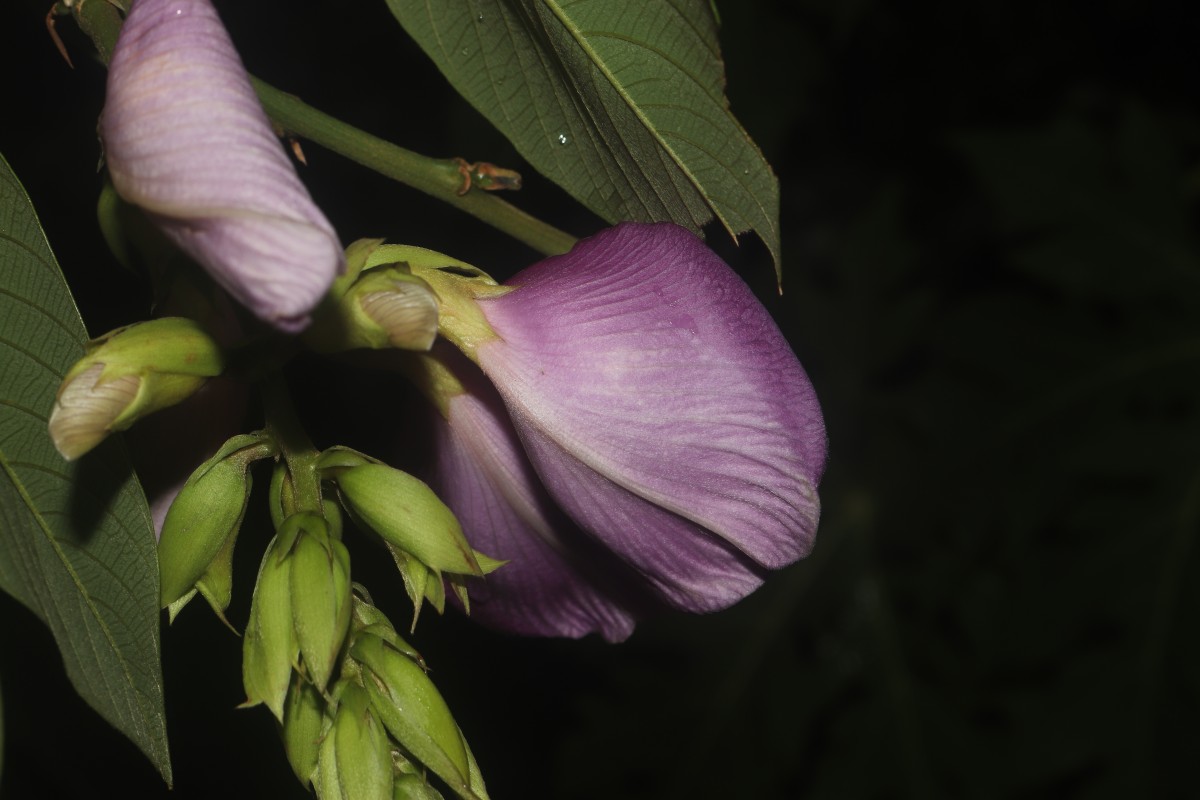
(991, 274)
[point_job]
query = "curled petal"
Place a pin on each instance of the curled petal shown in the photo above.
(87, 408)
(547, 587)
(663, 409)
(408, 313)
(187, 140)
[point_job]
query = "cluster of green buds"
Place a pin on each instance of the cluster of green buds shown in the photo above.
(382, 727)
(359, 717)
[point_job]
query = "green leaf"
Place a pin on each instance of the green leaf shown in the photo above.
(1, 733)
(76, 542)
(621, 103)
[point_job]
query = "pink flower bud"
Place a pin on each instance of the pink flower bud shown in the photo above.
(186, 139)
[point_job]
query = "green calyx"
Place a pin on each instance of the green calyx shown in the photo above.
(303, 722)
(166, 346)
(400, 296)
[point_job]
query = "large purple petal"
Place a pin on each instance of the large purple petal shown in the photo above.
(551, 585)
(662, 408)
(186, 139)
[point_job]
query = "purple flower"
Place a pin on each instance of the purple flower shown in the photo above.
(186, 139)
(558, 581)
(662, 410)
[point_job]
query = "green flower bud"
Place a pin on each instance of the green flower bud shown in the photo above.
(196, 546)
(303, 723)
(361, 748)
(270, 648)
(406, 514)
(413, 711)
(320, 586)
(127, 374)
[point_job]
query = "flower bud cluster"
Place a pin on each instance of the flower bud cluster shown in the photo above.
(376, 729)
(358, 715)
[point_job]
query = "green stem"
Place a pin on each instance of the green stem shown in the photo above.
(298, 451)
(438, 178)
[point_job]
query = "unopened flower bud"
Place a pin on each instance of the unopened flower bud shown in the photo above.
(269, 647)
(204, 519)
(127, 374)
(320, 581)
(186, 139)
(361, 748)
(303, 722)
(413, 711)
(327, 782)
(406, 513)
